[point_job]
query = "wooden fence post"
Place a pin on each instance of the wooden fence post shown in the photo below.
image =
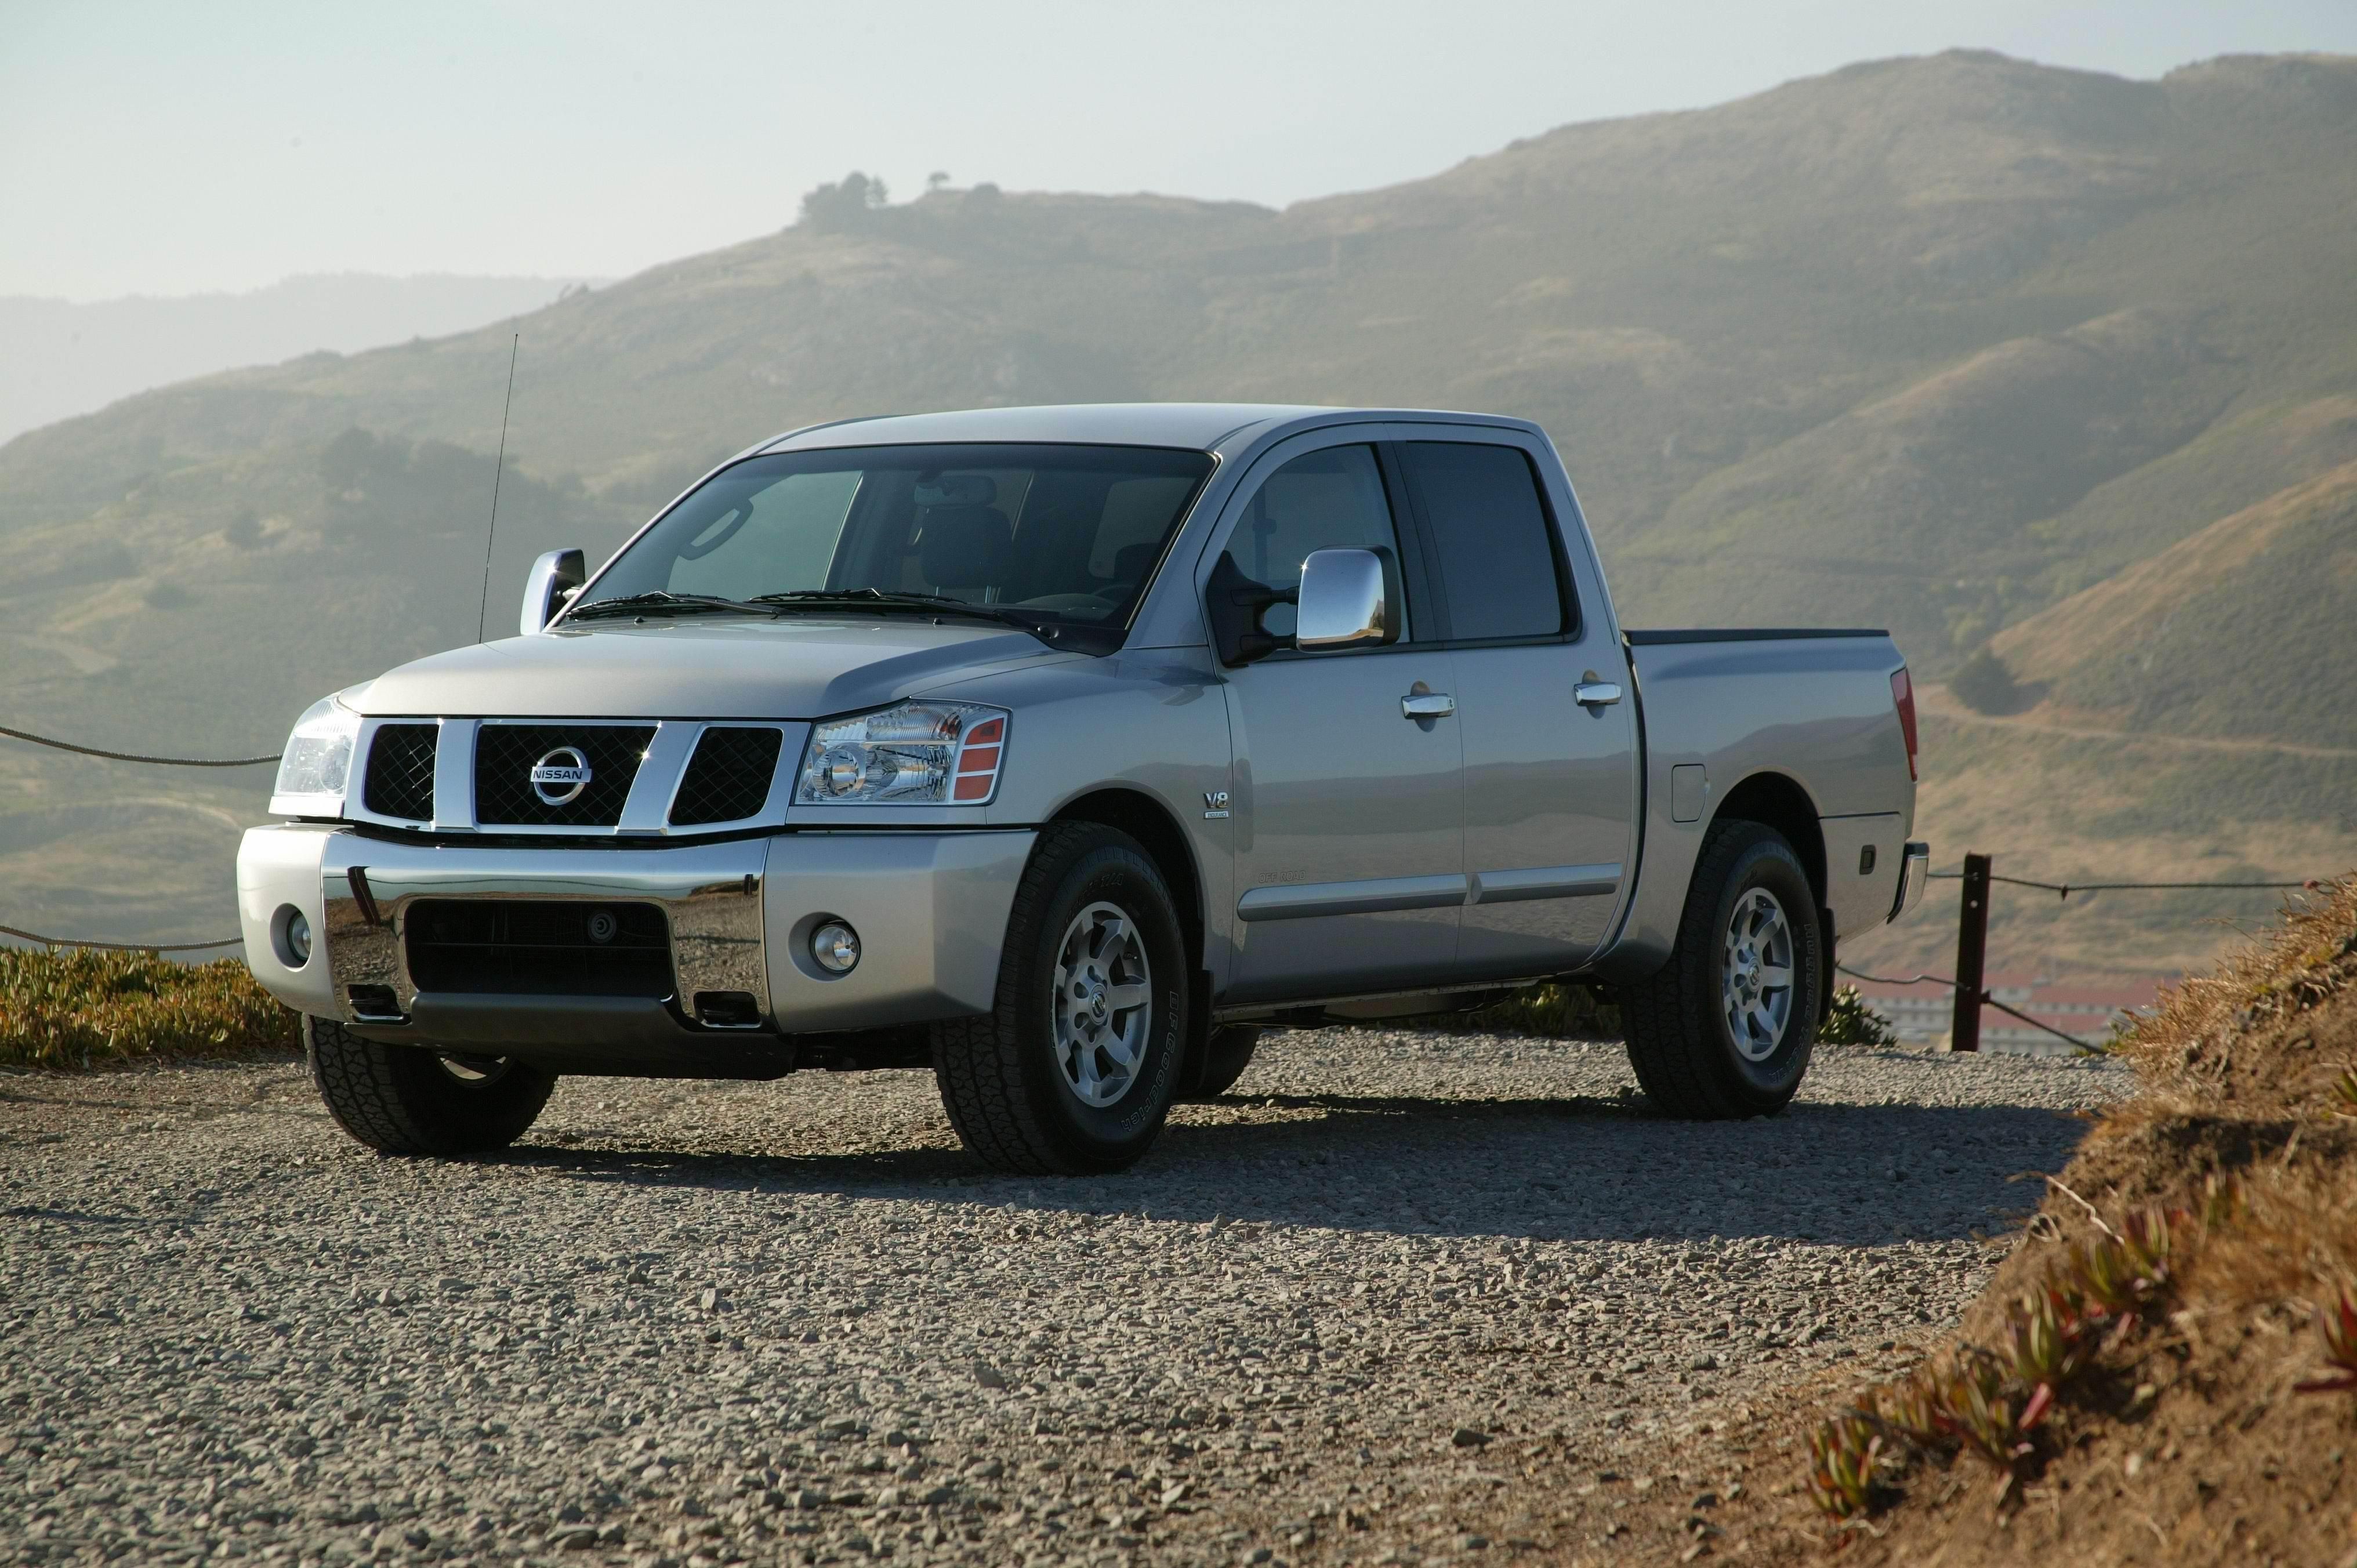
(1972, 955)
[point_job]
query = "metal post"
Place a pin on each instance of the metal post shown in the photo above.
(1972, 955)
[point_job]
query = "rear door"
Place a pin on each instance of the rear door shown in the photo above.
(1349, 853)
(1550, 782)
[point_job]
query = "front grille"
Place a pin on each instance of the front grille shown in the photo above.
(531, 948)
(506, 754)
(401, 772)
(728, 778)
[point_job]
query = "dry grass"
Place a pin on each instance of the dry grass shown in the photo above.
(84, 1009)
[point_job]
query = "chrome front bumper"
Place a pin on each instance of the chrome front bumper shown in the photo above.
(930, 909)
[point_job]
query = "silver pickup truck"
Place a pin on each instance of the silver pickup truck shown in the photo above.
(1063, 751)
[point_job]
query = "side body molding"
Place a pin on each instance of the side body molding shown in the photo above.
(1307, 900)
(1546, 882)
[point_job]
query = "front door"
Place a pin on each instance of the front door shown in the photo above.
(1550, 781)
(1348, 851)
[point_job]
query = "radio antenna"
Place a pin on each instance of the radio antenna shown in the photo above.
(483, 608)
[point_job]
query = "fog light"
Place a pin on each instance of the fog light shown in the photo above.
(836, 946)
(294, 937)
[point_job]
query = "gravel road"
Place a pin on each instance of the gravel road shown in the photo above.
(1401, 1297)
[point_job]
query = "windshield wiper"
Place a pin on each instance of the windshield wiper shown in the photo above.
(663, 601)
(1046, 628)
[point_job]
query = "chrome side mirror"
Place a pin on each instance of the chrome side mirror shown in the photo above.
(555, 574)
(1345, 601)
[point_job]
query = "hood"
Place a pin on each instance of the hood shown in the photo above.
(797, 668)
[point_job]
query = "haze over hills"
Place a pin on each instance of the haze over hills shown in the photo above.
(71, 358)
(1938, 343)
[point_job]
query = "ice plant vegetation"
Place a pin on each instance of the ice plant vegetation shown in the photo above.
(2338, 1329)
(1992, 1404)
(76, 1008)
(1843, 1455)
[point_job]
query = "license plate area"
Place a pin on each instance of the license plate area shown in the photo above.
(535, 947)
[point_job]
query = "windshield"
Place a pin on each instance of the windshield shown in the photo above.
(1065, 536)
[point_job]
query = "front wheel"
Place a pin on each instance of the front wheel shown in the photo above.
(1074, 1069)
(1725, 1027)
(411, 1099)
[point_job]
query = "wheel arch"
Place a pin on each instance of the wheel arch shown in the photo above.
(1147, 821)
(1778, 800)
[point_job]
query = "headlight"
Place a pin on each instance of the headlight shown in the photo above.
(317, 762)
(911, 754)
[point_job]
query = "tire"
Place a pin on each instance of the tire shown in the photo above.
(1682, 1023)
(409, 1099)
(1225, 1055)
(1047, 1082)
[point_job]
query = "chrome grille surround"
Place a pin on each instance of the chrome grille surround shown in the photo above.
(646, 810)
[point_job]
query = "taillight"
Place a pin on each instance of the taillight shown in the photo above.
(977, 764)
(1902, 693)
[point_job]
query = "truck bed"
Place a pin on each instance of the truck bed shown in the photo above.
(1731, 715)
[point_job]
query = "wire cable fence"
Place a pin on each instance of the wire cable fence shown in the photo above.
(1971, 940)
(2086, 1047)
(2062, 889)
(2067, 889)
(120, 947)
(80, 750)
(54, 744)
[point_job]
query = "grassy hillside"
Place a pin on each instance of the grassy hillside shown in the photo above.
(2161, 646)
(1934, 342)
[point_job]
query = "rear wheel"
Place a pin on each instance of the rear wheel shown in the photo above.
(1074, 1069)
(411, 1099)
(1725, 1027)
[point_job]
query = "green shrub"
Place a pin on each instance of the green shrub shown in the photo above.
(1984, 684)
(1848, 1021)
(76, 1007)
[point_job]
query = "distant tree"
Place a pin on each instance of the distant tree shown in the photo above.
(935, 180)
(844, 203)
(1984, 684)
(244, 530)
(345, 459)
(168, 594)
(985, 192)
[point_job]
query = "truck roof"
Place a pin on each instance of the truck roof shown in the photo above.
(1199, 426)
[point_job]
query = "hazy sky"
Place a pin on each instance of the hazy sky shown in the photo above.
(173, 147)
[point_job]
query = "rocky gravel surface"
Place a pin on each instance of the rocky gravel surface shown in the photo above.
(1400, 1298)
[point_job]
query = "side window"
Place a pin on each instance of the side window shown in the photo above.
(1496, 550)
(1329, 499)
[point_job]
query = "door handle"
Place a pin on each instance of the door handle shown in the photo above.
(1427, 705)
(1596, 694)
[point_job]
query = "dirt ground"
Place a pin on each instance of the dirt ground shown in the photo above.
(2189, 1442)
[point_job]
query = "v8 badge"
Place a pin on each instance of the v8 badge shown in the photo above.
(1215, 804)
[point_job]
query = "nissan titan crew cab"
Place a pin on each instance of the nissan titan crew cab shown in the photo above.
(1062, 751)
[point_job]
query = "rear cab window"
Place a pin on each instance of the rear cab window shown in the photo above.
(1489, 544)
